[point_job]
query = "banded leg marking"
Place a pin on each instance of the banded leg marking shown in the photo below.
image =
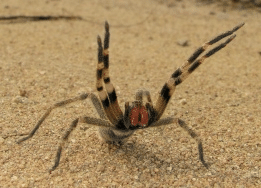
(106, 77)
(164, 97)
(185, 70)
(102, 93)
(201, 49)
(198, 62)
(99, 84)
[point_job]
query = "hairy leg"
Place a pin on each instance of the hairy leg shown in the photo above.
(85, 119)
(186, 69)
(143, 92)
(84, 96)
(106, 77)
(60, 147)
(47, 113)
(181, 123)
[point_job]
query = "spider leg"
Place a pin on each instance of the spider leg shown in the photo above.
(108, 97)
(106, 78)
(201, 49)
(163, 121)
(85, 119)
(96, 122)
(140, 93)
(198, 62)
(185, 70)
(195, 136)
(64, 139)
(170, 120)
(106, 103)
(139, 96)
(47, 113)
(84, 96)
(97, 104)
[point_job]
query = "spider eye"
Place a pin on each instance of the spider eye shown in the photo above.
(139, 116)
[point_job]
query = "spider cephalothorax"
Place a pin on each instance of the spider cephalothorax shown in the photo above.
(114, 126)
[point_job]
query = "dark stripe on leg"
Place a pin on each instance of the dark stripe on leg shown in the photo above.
(112, 96)
(107, 80)
(107, 36)
(196, 54)
(219, 47)
(214, 40)
(99, 74)
(99, 88)
(106, 61)
(106, 46)
(113, 112)
(178, 81)
(223, 35)
(100, 49)
(165, 93)
(176, 73)
(194, 66)
(106, 103)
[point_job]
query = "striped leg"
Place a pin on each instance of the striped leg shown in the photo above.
(108, 97)
(201, 49)
(185, 70)
(108, 85)
(182, 124)
(99, 85)
(179, 79)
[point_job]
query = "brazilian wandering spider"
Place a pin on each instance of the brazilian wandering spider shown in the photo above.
(114, 125)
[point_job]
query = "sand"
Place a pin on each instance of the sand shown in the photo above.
(44, 62)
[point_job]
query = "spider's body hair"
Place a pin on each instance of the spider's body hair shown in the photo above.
(143, 116)
(115, 127)
(115, 135)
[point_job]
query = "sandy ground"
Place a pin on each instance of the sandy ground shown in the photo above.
(45, 62)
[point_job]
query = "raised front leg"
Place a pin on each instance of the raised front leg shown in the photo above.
(186, 69)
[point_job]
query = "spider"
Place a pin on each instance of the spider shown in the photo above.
(115, 127)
